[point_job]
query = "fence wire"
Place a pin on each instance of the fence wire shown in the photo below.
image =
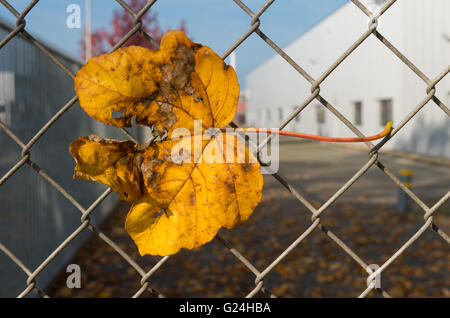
(259, 275)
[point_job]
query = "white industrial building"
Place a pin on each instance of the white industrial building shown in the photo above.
(372, 85)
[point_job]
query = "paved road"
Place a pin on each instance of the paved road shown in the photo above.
(318, 170)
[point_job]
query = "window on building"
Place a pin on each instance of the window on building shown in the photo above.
(267, 114)
(280, 113)
(320, 113)
(297, 118)
(358, 113)
(380, 2)
(385, 111)
(3, 117)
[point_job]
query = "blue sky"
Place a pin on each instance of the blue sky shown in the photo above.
(215, 23)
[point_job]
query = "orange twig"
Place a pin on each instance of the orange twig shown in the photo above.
(384, 133)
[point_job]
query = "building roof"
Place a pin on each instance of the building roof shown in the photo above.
(301, 35)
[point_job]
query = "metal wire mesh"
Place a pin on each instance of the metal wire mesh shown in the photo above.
(259, 274)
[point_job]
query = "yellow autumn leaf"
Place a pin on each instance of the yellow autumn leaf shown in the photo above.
(167, 88)
(183, 189)
(110, 162)
(186, 203)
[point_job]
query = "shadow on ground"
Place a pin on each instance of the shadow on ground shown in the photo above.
(315, 268)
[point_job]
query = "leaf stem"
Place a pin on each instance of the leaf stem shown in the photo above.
(384, 133)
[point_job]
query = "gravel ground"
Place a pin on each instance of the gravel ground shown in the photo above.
(317, 267)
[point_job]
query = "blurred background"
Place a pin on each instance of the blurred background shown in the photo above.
(371, 87)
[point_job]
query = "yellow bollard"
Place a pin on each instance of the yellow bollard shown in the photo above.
(403, 201)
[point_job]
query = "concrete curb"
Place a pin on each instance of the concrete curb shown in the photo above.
(403, 154)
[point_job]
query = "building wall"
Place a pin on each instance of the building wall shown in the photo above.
(34, 217)
(371, 73)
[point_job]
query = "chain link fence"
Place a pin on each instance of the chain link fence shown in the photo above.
(259, 274)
